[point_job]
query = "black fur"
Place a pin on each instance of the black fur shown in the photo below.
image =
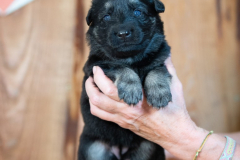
(127, 41)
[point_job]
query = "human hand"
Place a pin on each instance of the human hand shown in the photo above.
(164, 127)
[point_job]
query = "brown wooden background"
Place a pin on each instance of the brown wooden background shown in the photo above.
(42, 51)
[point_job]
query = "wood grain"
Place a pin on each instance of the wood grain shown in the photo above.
(80, 56)
(205, 51)
(36, 60)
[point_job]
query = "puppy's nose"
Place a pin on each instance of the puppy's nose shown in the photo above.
(123, 34)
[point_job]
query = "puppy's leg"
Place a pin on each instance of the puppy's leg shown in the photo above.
(128, 84)
(145, 151)
(96, 150)
(157, 87)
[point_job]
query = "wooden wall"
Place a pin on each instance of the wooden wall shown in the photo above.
(43, 49)
(37, 121)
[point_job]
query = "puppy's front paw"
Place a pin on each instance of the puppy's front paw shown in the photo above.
(158, 96)
(130, 91)
(157, 88)
(129, 86)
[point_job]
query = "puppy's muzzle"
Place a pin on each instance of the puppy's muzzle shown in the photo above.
(124, 35)
(124, 32)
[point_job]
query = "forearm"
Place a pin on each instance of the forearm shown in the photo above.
(186, 147)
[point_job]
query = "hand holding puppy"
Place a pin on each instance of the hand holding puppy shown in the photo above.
(171, 127)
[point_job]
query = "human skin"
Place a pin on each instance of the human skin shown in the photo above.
(171, 126)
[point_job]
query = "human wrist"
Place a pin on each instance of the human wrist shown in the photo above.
(190, 142)
(185, 140)
(213, 147)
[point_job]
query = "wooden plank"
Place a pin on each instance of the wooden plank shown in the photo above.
(206, 53)
(80, 57)
(36, 60)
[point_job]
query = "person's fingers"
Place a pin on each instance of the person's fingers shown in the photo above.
(105, 84)
(101, 100)
(176, 85)
(175, 81)
(101, 113)
(120, 120)
(170, 67)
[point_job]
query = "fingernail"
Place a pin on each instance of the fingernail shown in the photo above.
(94, 69)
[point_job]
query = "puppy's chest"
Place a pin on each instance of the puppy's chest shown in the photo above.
(142, 71)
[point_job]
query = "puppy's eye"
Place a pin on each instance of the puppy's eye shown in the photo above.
(107, 17)
(137, 13)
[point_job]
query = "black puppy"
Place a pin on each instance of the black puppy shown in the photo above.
(127, 41)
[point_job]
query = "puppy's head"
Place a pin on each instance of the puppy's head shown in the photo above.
(124, 28)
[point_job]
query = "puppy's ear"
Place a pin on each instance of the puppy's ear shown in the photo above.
(89, 18)
(159, 6)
